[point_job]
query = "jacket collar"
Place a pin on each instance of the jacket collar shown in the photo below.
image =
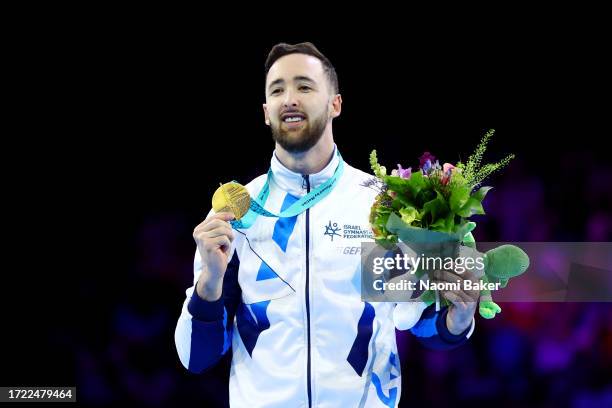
(294, 183)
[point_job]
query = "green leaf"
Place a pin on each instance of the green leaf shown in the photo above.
(469, 241)
(424, 196)
(437, 207)
(444, 224)
(412, 234)
(416, 183)
(464, 229)
(473, 206)
(459, 197)
(439, 225)
(397, 184)
(406, 202)
(408, 187)
(481, 193)
(458, 179)
(383, 210)
(376, 168)
(409, 214)
(450, 222)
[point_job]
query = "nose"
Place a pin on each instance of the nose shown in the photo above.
(291, 99)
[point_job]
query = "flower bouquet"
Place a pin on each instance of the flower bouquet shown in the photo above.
(429, 211)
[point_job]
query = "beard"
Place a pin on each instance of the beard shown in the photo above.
(300, 140)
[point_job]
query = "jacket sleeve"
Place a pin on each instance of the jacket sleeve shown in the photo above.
(431, 330)
(204, 330)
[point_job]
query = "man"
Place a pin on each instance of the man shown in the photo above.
(284, 293)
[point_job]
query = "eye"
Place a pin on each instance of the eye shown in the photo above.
(276, 91)
(304, 88)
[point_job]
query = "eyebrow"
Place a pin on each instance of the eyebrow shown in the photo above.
(295, 78)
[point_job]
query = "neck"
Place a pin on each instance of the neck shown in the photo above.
(311, 161)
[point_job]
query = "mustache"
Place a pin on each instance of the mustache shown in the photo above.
(288, 111)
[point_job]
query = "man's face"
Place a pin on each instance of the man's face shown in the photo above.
(299, 102)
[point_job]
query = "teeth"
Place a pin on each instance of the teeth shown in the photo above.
(293, 119)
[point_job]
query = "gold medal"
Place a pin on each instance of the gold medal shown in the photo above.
(232, 197)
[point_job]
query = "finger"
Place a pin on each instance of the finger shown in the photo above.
(223, 216)
(218, 232)
(227, 249)
(465, 297)
(221, 242)
(458, 300)
(216, 223)
(453, 298)
(210, 224)
(449, 277)
(446, 276)
(469, 274)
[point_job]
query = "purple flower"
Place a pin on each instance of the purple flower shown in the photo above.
(426, 157)
(426, 166)
(404, 173)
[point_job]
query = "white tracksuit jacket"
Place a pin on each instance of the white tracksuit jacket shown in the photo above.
(291, 309)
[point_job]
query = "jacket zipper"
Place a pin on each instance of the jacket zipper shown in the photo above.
(307, 180)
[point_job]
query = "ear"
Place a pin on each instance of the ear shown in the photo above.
(336, 105)
(266, 116)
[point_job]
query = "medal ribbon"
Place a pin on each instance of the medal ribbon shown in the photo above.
(256, 208)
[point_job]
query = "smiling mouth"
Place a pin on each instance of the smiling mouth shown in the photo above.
(293, 119)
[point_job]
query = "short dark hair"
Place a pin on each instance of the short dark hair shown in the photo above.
(282, 49)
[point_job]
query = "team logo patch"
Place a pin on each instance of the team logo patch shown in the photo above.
(332, 230)
(347, 231)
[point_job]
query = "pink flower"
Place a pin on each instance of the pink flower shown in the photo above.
(447, 171)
